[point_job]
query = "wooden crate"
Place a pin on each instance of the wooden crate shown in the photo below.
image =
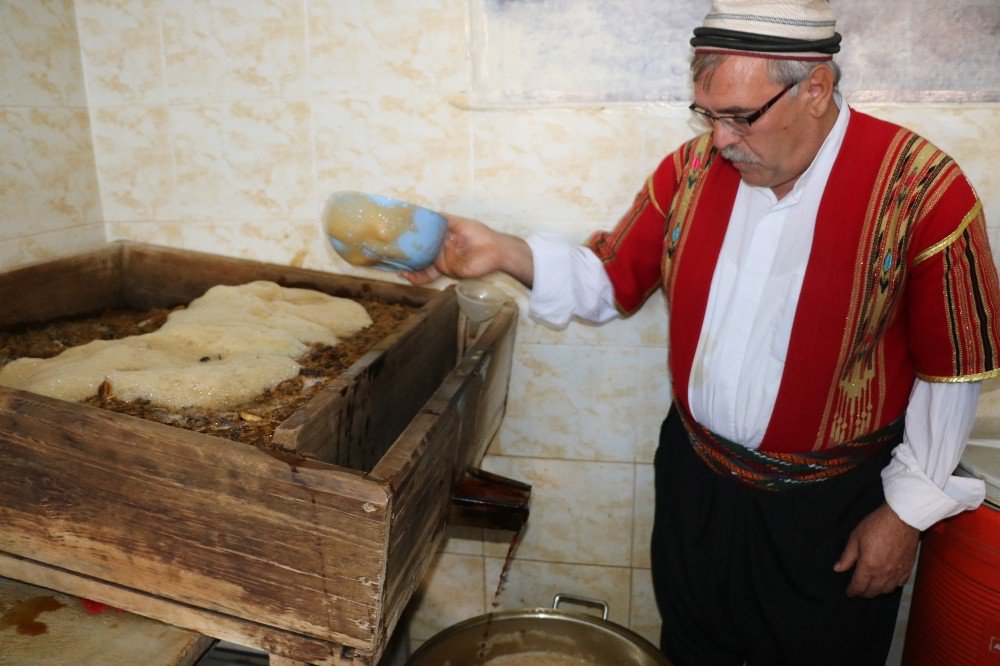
(313, 559)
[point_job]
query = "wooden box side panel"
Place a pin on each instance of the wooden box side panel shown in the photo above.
(275, 641)
(74, 285)
(453, 429)
(356, 419)
(490, 359)
(205, 522)
(160, 276)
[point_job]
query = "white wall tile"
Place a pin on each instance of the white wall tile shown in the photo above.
(645, 505)
(292, 243)
(242, 160)
(122, 50)
(234, 50)
(47, 179)
(28, 249)
(644, 618)
(451, 592)
(40, 54)
(557, 164)
(652, 402)
(135, 162)
(581, 512)
(404, 148)
(399, 48)
(571, 402)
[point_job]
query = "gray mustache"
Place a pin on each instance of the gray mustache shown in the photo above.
(735, 154)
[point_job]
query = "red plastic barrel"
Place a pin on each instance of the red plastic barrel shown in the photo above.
(955, 613)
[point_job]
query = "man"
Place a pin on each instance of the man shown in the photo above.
(833, 307)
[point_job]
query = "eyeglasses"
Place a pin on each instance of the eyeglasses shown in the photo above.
(738, 125)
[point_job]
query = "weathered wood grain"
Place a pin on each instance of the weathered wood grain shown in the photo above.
(276, 641)
(197, 519)
(154, 276)
(431, 455)
(355, 419)
(307, 558)
(74, 285)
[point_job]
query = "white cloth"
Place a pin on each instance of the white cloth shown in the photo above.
(744, 338)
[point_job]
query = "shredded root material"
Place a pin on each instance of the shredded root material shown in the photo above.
(252, 423)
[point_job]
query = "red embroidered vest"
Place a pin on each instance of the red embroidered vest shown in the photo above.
(900, 281)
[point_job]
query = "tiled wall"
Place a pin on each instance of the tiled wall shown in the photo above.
(222, 126)
(49, 201)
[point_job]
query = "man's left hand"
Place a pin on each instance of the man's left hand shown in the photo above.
(882, 550)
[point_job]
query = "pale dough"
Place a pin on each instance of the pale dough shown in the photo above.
(224, 349)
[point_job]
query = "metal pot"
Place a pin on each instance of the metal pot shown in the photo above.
(538, 636)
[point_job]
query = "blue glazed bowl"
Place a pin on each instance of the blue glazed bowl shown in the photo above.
(379, 231)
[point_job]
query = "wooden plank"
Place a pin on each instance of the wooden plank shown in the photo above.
(354, 421)
(42, 626)
(156, 276)
(307, 560)
(491, 358)
(423, 464)
(217, 625)
(206, 522)
(80, 284)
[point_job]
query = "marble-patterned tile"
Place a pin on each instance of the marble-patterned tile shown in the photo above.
(571, 402)
(451, 591)
(652, 402)
(644, 618)
(665, 128)
(134, 155)
(531, 584)
(47, 179)
(642, 526)
(400, 48)
(290, 243)
(399, 147)
(646, 328)
(249, 161)
(235, 50)
(581, 512)
(557, 164)
(40, 54)
(461, 540)
(122, 50)
(30, 248)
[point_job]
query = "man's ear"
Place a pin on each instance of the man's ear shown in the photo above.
(819, 86)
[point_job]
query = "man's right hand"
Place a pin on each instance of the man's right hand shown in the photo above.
(472, 249)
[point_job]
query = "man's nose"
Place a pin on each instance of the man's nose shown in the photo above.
(722, 137)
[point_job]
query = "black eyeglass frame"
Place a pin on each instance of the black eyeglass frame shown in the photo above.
(729, 120)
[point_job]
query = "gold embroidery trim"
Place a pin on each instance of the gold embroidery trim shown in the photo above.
(652, 196)
(952, 237)
(989, 374)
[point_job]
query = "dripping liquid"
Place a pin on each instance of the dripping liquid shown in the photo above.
(496, 596)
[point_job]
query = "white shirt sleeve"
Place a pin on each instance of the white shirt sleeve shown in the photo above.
(918, 481)
(569, 281)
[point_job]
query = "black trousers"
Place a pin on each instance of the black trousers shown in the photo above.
(746, 576)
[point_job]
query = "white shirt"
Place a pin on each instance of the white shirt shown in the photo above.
(744, 338)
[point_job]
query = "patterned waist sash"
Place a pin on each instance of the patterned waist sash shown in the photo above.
(768, 470)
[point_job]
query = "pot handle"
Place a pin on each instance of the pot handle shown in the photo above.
(587, 601)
